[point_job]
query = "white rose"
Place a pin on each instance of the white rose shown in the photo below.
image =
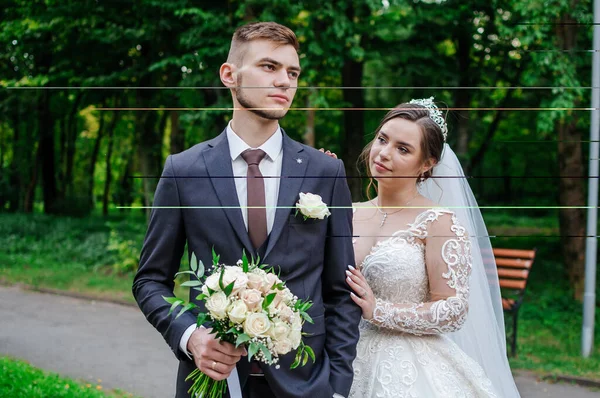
(285, 313)
(252, 298)
(257, 324)
(279, 330)
(284, 346)
(279, 298)
(270, 280)
(236, 275)
(213, 282)
(255, 281)
(312, 206)
(295, 338)
(237, 311)
(217, 305)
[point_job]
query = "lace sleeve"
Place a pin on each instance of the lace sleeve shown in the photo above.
(448, 262)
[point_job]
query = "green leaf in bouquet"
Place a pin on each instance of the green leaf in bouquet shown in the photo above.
(216, 257)
(194, 262)
(268, 300)
(186, 308)
(296, 362)
(221, 285)
(305, 359)
(232, 330)
(210, 291)
(229, 288)
(201, 318)
(171, 300)
(174, 304)
(306, 317)
(191, 284)
(241, 339)
(252, 350)
(184, 272)
(244, 261)
(310, 352)
(201, 297)
(200, 272)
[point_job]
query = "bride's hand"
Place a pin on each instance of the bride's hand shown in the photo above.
(362, 295)
(328, 153)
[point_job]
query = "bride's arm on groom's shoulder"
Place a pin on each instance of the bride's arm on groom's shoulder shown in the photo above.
(159, 261)
(448, 263)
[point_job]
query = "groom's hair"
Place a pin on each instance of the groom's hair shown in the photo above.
(270, 31)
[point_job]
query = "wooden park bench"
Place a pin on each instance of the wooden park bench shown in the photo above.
(513, 271)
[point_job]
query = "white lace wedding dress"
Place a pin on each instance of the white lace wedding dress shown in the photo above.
(403, 350)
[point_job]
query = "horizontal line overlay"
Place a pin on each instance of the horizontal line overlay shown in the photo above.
(362, 207)
(314, 87)
(367, 177)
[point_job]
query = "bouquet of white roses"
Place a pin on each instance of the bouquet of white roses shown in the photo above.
(247, 304)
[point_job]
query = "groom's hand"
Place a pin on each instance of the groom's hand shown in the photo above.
(213, 357)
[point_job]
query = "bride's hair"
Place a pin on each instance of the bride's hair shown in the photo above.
(432, 142)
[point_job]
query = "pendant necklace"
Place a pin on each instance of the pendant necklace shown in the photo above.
(385, 213)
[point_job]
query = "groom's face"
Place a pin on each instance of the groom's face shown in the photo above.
(267, 78)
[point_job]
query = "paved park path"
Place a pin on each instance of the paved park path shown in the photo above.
(93, 341)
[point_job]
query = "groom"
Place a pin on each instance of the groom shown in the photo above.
(237, 192)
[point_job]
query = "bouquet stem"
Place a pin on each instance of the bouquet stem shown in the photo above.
(205, 387)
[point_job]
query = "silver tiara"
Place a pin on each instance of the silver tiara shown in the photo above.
(434, 113)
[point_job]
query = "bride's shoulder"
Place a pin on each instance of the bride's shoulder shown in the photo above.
(431, 214)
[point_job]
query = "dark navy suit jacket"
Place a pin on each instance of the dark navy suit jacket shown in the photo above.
(312, 256)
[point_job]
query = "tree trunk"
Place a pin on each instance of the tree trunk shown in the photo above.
(309, 132)
(111, 129)
(30, 191)
(571, 189)
(94, 159)
(463, 96)
(15, 172)
(125, 196)
(46, 129)
(149, 147)
(354, 128)
(177, 134)
(571, 193)
(71, 140)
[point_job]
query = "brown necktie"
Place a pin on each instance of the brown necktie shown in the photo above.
(257, 214)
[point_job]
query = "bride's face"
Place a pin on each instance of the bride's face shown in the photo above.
(396, 152)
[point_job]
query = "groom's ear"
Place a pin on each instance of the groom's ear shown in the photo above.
(227, 72)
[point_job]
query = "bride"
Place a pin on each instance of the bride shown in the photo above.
(432, 319)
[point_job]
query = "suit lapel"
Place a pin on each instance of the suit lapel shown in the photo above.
(293, 169)
(218, 165)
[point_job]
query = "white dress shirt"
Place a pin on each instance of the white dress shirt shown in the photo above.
(270, 168)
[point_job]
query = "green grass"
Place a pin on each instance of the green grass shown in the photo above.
(20, 379)
(96, 257)
(93, 255)
(550, 320)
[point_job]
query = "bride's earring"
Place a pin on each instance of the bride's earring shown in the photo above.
(420, 180)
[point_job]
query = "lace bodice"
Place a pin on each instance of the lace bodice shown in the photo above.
(420, 275)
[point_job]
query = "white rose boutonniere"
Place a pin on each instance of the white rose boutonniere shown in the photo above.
(312, 206)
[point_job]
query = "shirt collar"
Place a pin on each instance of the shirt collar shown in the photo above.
(272, 146)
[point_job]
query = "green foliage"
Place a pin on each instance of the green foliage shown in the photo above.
(93, 243)
(19, 379)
